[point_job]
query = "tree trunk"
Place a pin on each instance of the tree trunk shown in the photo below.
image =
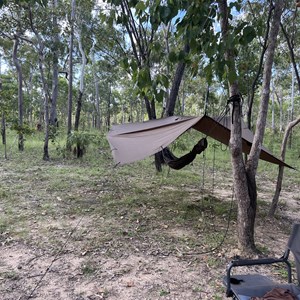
(176, 84)
(20, 92)
(46, 141)
(108, 115)
(279, 98)
(246, 209)
(260, 66)
(96, 85)
(166, 31)
(70, 86)
(244, 175)
(53, 113)
(171, 100)
(81, 85)
(291, 117)
(78, 110)
(281, 168)
(273, 108)
(3, 134)
(295, 72)
(253, 158)
(44, 85)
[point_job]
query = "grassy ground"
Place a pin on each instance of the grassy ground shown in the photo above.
(82, 229)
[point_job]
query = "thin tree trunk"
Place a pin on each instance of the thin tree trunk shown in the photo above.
(46, 141)
(291, 117)
(275, 200)
(295, 72)
(253, 158)
(3, 134)
(273, 107)
(176, 84)
(70, 86)
(81, 85)
(53, 112)
(245, 175)
(96, 85)
(44, 85)
(78, 110)
(166, 32)
(108, 109)
(279, 98)
(246, 207)
(20, 92)
(259, 70)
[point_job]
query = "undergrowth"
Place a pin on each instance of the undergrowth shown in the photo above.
(119, 211)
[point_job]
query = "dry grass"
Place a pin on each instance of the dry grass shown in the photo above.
(73, 229)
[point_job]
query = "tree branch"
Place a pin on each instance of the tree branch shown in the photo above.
(261, 60)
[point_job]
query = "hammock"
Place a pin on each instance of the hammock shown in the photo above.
(178, 163)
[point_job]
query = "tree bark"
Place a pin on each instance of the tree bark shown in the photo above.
(263, 109)
(279, 98)
(253, 158)
(70, 86)
(53, 112)
(96, 86)
(259, 70)
(245, 175)
(20, 91)
(78, 110)
(81, 85)
(108, 114)
(275, 199)
(3, 134)
(44, 85)
(176, 84)
(246, 209)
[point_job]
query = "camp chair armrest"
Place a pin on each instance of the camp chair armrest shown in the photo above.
(252, 262)
(258, 261)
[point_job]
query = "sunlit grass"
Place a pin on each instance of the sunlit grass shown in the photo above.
(131, 201)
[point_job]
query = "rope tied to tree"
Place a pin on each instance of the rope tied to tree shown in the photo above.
(236, 102)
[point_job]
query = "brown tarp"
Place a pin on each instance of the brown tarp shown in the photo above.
(135, 141)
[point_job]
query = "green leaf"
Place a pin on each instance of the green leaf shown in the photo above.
(194, 69)
(249, 34)
(164, 13)
(124, 63)
(132, 3)
(172, 57)
(232, 76)
(236, 4)
(143, 79)
(181, 55)
(160, 96)
(133, 65)
(240, 27)
(156, 46)
(140, 6)
(210, 50)
(164, 80)
(208, 73)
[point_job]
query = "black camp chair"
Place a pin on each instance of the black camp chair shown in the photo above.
(243, 287)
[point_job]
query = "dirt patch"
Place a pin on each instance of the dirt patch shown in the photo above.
(96, 276)
(84, 233)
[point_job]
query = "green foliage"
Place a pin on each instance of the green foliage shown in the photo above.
(53, 133)
(88, 269)
(24, 129)
(8, 94)
(80, 140)
(164, 292)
